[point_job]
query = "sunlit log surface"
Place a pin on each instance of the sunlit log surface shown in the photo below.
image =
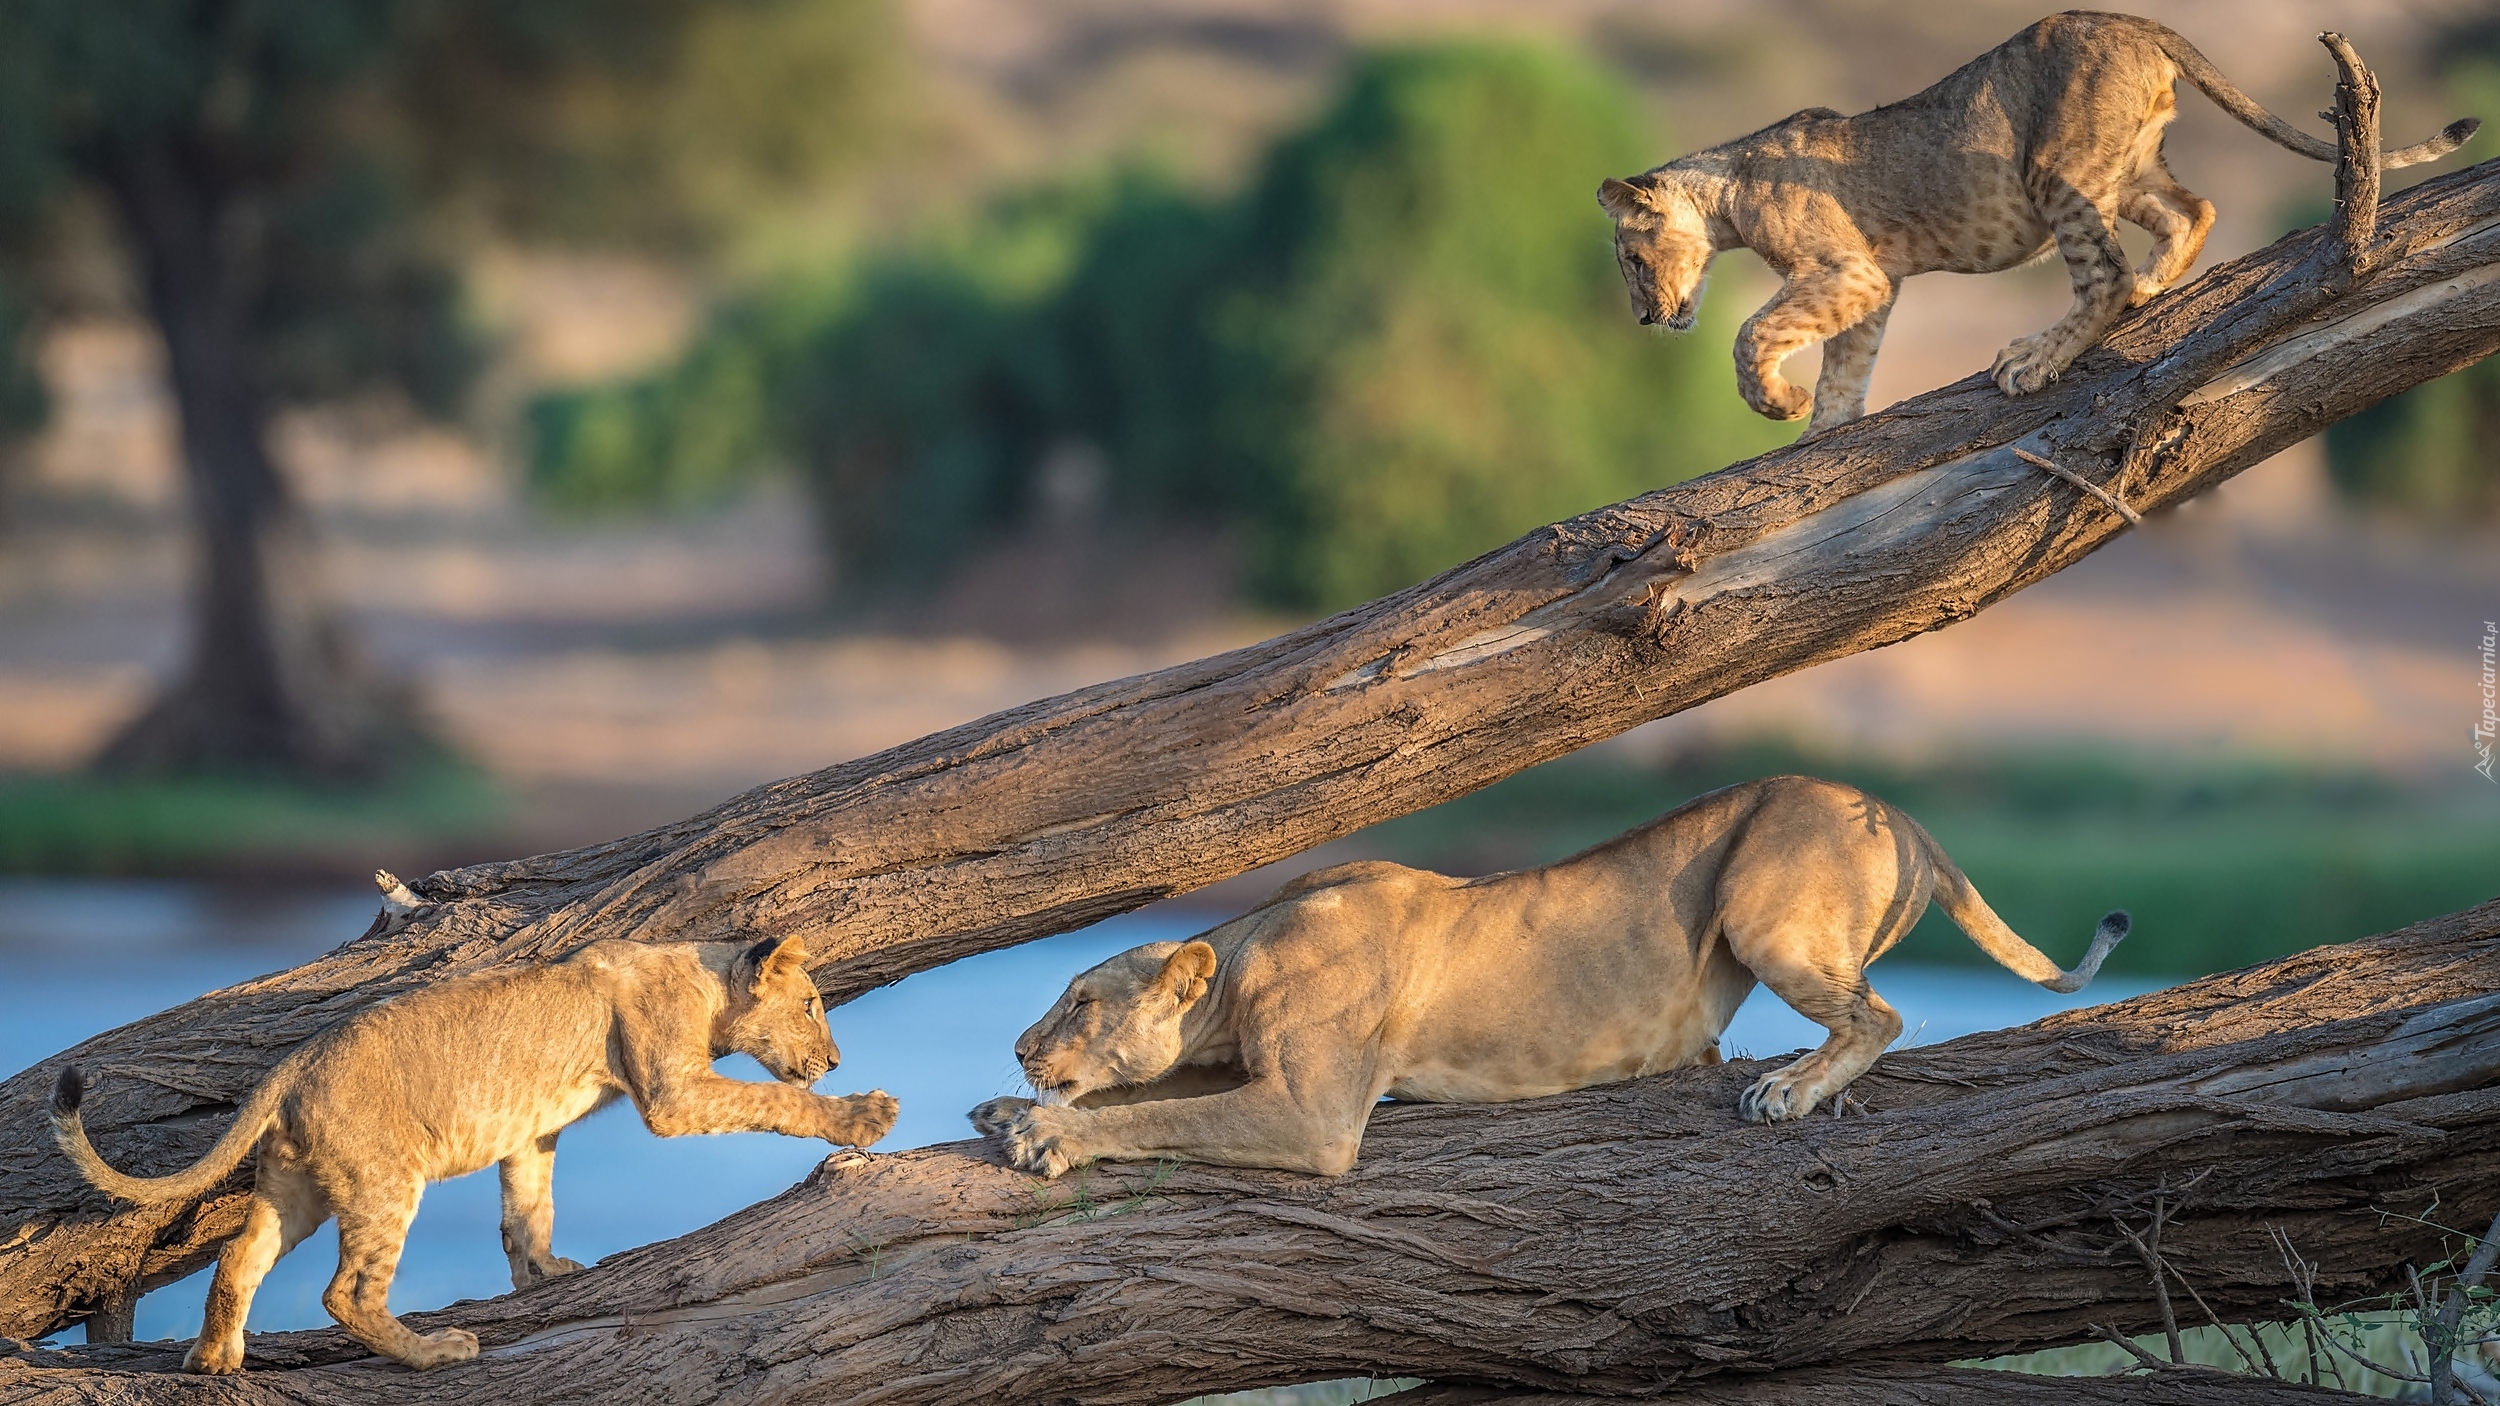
(1617, 1240)
(1068, 810)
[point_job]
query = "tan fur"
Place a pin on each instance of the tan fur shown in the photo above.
(489, 1069)
(1267, 1042)
(2046, 141)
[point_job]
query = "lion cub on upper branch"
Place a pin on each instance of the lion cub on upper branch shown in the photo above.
(490, 1068)
(2049, 139)
(1267, 1043)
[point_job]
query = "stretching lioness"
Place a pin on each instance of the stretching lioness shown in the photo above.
(490, 1068)
(2050, 138)
(1267, 1042)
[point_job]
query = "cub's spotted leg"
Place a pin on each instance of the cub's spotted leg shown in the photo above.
(373, 1227)
(1848, 364)
(2096, 266)
(285, 1207)
(2178, 219)
(1816, 303)
(529, 1214)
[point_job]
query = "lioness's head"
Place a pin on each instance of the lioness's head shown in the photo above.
(776, 1015)
(1119, 1023)
(1662, 244)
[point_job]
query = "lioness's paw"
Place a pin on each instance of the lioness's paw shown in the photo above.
(442, 1349)
(1779, 1096)
(862, 1118)
(214, 1359)
(990, 1119)
(1040, 1140)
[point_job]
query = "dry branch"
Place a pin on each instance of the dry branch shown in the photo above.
(1615, 1241)
(1068, 810)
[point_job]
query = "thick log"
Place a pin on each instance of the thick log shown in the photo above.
(1616, 1241)
(1065, 811)
(1889, 1385)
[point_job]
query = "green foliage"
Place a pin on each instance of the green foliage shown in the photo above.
(212, 824)
(2429, 452)
(1403, 345)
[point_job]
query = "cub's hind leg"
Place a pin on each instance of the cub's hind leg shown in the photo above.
(373, 1227)
(285, 1207)
(2096, 267)
(2178, 219)
(529, 1214)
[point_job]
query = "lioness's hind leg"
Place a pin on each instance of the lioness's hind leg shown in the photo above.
(2178, 219)
(373, 1227)
(284, 1209)
(529, 1214)
(1861, 1026)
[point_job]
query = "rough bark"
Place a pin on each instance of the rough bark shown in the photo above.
(1065, 811)
(1615, 1241)
(272, 679)
(1886, 1385)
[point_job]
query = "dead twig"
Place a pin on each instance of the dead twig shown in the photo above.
(2108, 499)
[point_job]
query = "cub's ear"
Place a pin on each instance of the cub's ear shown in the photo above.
(1185, 972)
(1622, 200)
(774, 957)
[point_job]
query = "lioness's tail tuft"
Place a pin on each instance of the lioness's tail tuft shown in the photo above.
(68, 1091)
(2105, 939)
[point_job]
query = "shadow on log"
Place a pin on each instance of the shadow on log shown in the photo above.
(1068, 810)
(1617, 1240)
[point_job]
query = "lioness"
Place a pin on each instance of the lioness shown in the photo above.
(2050, 138)
(1267, 1042)
(490, 1068)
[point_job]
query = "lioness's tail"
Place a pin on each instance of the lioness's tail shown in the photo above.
(1973, 915)
(2199, 70)
(70, 1131)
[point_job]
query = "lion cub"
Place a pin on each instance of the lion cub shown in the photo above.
(442, 1081)
(1268, 1042)
(2047, 140)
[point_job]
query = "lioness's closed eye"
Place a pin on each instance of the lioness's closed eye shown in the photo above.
(2046, 141)
(1266, 1042)
(445, 1080)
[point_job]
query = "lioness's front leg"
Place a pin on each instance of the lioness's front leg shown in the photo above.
(1260, 1124)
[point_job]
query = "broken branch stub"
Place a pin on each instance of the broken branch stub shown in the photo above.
(1067, 810)
(2358, 157)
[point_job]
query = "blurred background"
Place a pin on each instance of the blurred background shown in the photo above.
(439, 430)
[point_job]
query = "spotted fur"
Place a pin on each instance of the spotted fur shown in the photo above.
(2044, 142)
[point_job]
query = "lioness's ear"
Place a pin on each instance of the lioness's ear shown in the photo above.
(775, 957)
(1185, 972)
(1622, 199)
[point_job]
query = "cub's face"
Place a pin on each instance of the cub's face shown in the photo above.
(1117, 1024)
(776, 1015)
(1663, 248)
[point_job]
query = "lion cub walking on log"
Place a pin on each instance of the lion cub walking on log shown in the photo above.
(1267, 1042)
(2047, 140)
(442, 1081)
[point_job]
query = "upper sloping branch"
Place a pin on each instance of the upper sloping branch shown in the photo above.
(1064, 811)
(1615, 1240)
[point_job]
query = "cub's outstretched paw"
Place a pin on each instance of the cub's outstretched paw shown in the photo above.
(1780, 1095)
(442, 1349)
(2025, 367)
(990, 1119)
(1041, 1140)
(861, 1119)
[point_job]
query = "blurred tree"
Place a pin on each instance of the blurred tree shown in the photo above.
(1405, 344)
(2434, 452)
(292, 179)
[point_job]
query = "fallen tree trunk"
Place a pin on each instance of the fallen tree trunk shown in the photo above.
(1065, 811)
(1616, 1241)
(1921, 1386)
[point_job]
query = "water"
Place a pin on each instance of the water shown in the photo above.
(81, 956)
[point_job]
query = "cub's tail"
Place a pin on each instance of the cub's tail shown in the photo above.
(2199, 70)
(70, 1131)
(1973, 915)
